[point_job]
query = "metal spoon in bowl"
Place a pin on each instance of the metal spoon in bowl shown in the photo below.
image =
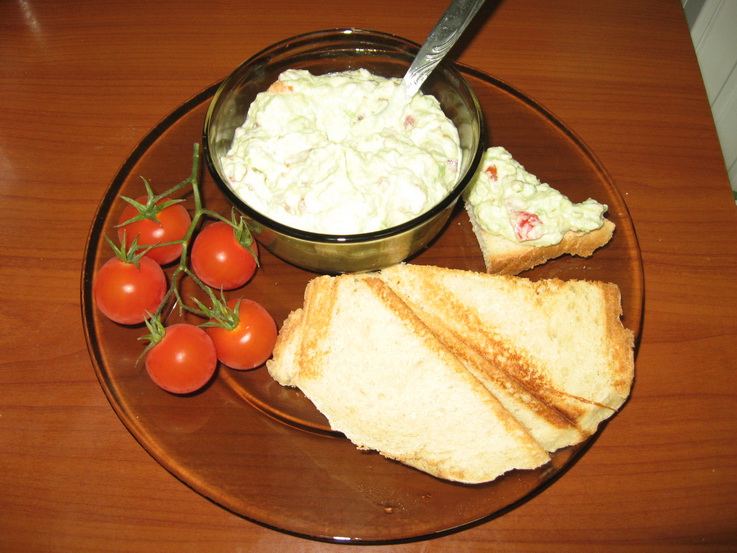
(441, 39)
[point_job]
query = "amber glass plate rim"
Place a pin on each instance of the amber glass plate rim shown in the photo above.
(121, 407)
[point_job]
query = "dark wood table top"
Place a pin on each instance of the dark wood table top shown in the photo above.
(81, 83)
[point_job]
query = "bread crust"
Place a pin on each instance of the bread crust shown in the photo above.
(284, 361)
(318, 308)
(504, 257)
(621, 344)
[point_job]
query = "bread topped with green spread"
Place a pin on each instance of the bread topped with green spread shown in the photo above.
(521, 222)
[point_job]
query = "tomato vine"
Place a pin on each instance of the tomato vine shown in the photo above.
(222, 314)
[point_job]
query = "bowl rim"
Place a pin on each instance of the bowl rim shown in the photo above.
(311, 236)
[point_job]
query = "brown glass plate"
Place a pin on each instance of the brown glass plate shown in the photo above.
(263, 451)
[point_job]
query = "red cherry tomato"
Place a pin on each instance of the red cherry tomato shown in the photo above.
(183, 361)
(124, 292)
(174, 222)
(219, 260)
(251, 342)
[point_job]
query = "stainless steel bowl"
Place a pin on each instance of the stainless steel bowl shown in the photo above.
(327, 52)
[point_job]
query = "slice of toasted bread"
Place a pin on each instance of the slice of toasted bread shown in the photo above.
(505, 257)
(563, 341)
(381, 377)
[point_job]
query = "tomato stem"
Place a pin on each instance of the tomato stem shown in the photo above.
(193, 178)
(156, 330)
(131, 254)
(219, 314)
(151, 208)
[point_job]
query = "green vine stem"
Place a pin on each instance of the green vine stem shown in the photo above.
(241, 231)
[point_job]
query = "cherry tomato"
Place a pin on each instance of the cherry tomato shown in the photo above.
(251, 342)
(174, 222)
(219, 260)
(124, 292)
(183, 361)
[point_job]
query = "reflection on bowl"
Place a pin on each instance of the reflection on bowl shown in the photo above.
(330, 52)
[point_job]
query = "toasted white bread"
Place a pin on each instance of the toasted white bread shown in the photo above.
(401, 360)
(505, 257)
(383, 379)
(562, 340)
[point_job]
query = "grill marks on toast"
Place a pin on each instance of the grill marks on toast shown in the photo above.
(483, 308)
(509, 372)
(551, 427)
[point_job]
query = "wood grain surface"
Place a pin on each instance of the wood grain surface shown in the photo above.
(81, 82)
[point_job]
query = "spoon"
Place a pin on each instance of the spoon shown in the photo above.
(441, 39)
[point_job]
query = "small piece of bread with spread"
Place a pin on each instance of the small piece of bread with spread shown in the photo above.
(521, 222)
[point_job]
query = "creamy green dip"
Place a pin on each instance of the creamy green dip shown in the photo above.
(324, 154)
(510, 202)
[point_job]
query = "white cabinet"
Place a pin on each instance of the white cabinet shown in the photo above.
(713, 25)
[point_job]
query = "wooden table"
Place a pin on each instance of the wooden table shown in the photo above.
(82, 82)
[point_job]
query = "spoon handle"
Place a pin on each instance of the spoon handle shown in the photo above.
(440, 40)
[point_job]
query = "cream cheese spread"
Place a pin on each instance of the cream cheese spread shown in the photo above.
(510, 202)
(325, 153)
